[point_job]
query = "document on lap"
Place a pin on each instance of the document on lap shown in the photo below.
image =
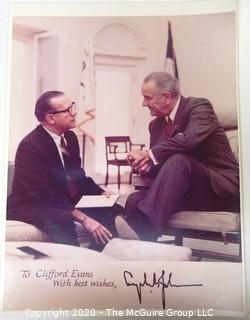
(97, 201)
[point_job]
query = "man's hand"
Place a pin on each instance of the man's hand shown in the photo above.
(140, 161)
(98, 231)
(107, 193)
(132, 155)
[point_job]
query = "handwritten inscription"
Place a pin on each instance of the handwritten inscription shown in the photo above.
(69, 278)
(163, 281)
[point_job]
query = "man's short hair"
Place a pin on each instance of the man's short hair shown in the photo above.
(164, 81)
(43, 105)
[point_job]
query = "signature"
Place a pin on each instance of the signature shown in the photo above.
(164, 281)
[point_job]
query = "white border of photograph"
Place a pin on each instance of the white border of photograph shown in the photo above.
(113, 8)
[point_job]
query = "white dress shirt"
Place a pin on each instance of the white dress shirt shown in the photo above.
(57, 140)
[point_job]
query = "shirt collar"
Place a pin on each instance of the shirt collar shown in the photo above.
(173, 112)
(55, 136)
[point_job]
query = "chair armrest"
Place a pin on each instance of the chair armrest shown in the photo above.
(137, 145)
(112, 148)
(115, 152)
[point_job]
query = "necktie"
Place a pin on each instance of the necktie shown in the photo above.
(169, 127)
(64, 147)
(66, 159)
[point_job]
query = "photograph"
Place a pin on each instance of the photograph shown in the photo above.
(123, 162)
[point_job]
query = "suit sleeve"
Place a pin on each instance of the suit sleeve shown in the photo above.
(86, 185)
(201, 122)
(33, 179)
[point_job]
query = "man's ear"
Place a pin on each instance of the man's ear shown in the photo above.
(49, 118)
(167, 95)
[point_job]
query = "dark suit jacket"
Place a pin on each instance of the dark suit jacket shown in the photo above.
(197, 133)
(40, 178)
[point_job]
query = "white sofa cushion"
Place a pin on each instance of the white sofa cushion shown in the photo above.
(216, 221)
(232, 136)
(143, 250)
(20, 231)
(54, 251)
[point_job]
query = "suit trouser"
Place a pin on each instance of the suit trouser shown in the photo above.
(182, 183)
(58, 224)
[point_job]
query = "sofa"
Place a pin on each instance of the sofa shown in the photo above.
(217, 226)
(20, 233)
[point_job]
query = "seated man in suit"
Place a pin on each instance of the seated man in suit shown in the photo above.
(49, 181)
(190, 159)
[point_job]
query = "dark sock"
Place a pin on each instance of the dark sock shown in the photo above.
(97, 247)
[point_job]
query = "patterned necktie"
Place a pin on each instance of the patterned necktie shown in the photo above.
(66, 159)
(64, 147)
(169, 127)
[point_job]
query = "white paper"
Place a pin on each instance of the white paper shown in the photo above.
(97, 201)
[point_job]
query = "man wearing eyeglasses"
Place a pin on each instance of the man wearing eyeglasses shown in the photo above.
(49, 180)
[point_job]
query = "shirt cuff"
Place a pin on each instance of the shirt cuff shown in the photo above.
(152, 157)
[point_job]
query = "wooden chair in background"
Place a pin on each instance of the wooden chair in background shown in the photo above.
(117, 148)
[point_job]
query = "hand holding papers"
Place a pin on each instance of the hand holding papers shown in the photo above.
(97, 201)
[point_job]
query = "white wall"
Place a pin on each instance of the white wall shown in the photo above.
(22, 92)
(205, 51)
(47, 63)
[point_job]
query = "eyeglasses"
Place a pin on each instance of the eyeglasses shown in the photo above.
(71, 110)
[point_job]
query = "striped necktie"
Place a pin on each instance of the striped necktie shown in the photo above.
(64, 147)
(72, 188)
(169, 127)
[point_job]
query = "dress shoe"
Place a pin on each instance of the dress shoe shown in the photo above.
(124, 230)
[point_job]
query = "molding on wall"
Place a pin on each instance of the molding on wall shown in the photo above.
(24, 32)
(119, 38)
